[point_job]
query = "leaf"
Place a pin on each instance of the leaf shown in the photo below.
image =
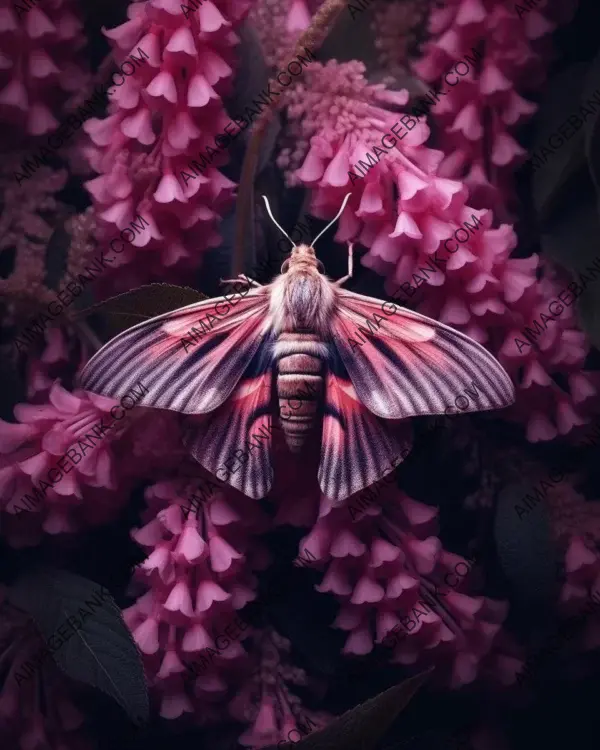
(591, 126)
(526, 549)
(551, 179)
(571, 236)
(571, 239)
(362, 727)
(589, 312)
(125, 310)
(102, 653)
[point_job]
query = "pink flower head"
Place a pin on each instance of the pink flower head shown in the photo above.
(198, 574)
(484, 56)
(40, 65)
(158, 152)
(58, 467)
(398, 586)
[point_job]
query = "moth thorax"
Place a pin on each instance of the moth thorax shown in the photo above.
(299, 385)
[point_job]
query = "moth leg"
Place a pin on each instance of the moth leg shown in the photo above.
(241, 277)
(341, 281)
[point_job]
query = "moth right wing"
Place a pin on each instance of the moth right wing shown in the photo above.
(357, 447)
(413, 365)
(189, 360)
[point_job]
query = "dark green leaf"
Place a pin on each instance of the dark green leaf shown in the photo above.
(102, 652)
(525, 545)
(363, 726)
(125, 310)
(552, 178)
(589, 312)
(570, 237)
(591, 127)
(571, 240)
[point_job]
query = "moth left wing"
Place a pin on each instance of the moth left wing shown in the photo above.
(234, 443)
(357, 447)
(189, 360)
(405, 364)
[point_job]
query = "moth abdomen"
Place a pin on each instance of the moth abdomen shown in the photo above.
(299, 385)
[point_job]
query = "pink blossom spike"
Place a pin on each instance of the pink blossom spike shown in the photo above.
(139, 127)
(190, 546)
(15, 95)
(37, 24)
(406, 225)
(182, 41)
(210, 18)
(222, 554)
(146, 636)
(208, 593)
(41, 65)
(179, 600)
(367, 591)
(200, 92)
(163, 85)
(346, 544)
(169, 190)
(359, 643)
(196, 639)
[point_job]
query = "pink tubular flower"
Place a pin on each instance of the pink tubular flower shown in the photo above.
(438, 254)
(58, 470)
(158, 150)
(36, 708)
(40, 64)
(397, 585)
(198, 575)
(501, 50)
(266, 702)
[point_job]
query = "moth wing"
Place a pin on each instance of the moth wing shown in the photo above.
(413, 365)
(190, 360)
(357, 447)
(235, 443)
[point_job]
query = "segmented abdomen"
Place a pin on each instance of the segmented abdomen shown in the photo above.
(300, 385)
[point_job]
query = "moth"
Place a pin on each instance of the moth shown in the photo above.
(292, 339)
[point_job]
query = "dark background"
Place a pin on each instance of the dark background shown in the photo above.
(564, 712)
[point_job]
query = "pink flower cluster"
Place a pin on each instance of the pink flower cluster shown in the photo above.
(41, 67)
(198, 574)
(159, 122)
(42, 491)
(265, 702)
(480, 116)
(388, 569)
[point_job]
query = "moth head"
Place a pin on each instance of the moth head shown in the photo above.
(304, 254)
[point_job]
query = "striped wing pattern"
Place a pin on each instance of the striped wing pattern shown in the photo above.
(194, 378)
(234, 443)
(412, 365)
(357, 448)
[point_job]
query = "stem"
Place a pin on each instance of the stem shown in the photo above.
(313, 38)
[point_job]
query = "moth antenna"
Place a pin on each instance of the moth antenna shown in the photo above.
(274, 222)
(339, 213)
